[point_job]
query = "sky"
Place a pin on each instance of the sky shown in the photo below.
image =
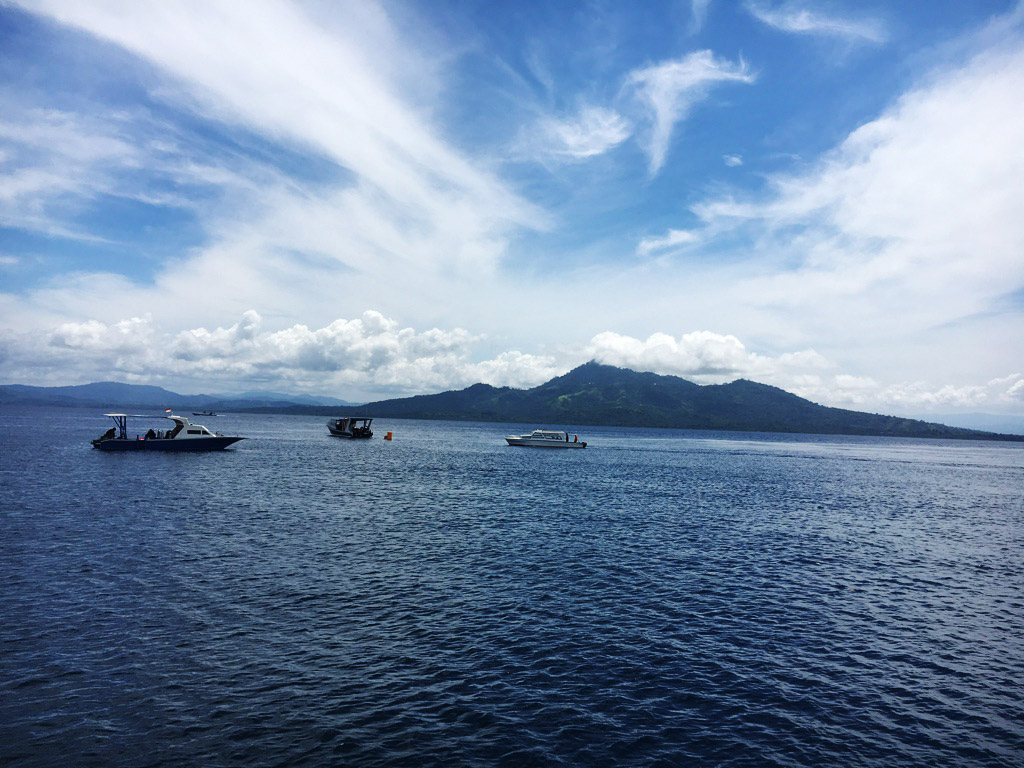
(378, 199)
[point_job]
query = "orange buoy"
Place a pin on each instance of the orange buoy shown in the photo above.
(389, 436)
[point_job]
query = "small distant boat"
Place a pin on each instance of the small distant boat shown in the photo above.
(351, 427)
(184, 436)
(546, 438)
(203, 413)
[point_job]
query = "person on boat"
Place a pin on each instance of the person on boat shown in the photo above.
(109, 434)
(151, 435)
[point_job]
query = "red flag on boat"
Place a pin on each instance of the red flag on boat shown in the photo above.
(167, 410)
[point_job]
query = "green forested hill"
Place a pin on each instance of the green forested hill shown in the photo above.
(605, 395)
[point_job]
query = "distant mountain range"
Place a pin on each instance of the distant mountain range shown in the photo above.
(112, 394)
(592, 394)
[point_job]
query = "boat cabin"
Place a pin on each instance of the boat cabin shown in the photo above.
(183, 428)
(350, 426)
(546, 434)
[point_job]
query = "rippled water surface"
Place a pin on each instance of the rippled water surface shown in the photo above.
(660, 598)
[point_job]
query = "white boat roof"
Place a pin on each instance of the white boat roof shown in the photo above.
(173, 416)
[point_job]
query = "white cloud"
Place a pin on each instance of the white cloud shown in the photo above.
(129, 336)
(665, 92)
(865, 393)
(515, 369)
(357, 358)
(53, 156)
(593, 131)
(700, 356)
(920, 395)
(733, 161)
(790, 17)
(322, 86)
(198, 345)
(698, 15)
(671, 89)
(398, 220)
(62, 162)
(674, 237)
(909, 227)
(122, 351)
(369, 350)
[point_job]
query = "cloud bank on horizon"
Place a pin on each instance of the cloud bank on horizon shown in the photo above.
(377, 199)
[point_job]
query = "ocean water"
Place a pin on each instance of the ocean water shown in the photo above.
(662, 598)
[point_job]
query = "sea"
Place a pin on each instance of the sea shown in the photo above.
(661, 598)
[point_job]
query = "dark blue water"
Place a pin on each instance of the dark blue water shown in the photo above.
(661, 598)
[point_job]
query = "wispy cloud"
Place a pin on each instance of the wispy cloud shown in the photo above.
(656, 99)
(698, 15)
(671, 89)
(592, 131)
(53, 159)
(60, 162)
(254, 103)
(916, 210)
(674, 238)
(312, 86)
(793, 18)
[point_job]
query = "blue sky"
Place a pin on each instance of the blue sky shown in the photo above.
(368, 200)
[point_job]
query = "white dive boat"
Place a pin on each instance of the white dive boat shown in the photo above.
(546, 438)
(185, 436)
(350, 426)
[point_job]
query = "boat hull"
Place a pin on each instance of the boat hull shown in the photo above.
(349, 435)
(525, 442)
(192, 445)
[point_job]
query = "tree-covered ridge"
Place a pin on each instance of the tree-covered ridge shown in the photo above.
(604, 395)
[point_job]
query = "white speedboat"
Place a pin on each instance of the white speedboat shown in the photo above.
(351, 427)
(546, 438)
(185, 436)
